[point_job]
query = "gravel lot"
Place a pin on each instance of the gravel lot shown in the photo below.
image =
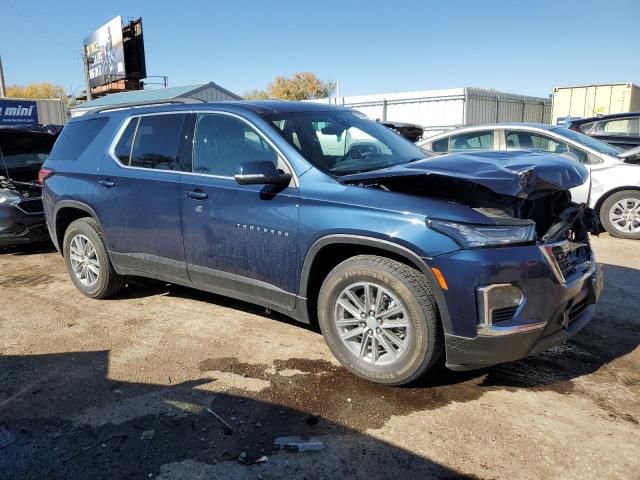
(82, 382)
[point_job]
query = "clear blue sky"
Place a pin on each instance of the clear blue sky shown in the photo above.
(371, 46)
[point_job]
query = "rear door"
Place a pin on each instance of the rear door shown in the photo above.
(138, 196)
(239, 240)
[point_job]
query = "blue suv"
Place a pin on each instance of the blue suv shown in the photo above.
(316, 212)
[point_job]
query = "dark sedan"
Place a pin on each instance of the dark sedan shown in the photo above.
(622, 130)
(23, 150)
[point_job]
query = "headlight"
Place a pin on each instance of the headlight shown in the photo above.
(468, 235)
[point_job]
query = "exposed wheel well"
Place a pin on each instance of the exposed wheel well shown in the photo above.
(332, 255)
(63, 219)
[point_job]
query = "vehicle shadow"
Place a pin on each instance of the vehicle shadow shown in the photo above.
(28, 249)
(61, 416)
(613, 333)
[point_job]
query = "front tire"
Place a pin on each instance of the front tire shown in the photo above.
(620, 214)
(379, 318)
(87, 261)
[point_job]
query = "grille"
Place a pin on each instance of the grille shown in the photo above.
(570, 257)
(577, 310)
(502, 314)
(30, 205)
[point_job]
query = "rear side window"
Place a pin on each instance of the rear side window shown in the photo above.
(472, 141)
(75, 138)
(156, 142)
(440, 146)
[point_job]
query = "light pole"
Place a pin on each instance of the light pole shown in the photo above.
(86, 61)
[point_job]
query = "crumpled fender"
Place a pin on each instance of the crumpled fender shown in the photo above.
(517, 174)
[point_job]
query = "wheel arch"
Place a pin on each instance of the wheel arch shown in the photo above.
(613, 191)
(65, 212)
(327, 252)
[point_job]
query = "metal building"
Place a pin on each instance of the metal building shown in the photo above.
(440, 110)
(208, 92)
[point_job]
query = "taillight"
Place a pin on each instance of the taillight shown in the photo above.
(45, 173)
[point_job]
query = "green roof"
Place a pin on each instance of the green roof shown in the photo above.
(142, 96)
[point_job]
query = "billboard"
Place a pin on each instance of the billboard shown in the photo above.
(18, 112)
(105, 54)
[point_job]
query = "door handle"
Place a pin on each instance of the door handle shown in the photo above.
(106, 183)
(197, 195)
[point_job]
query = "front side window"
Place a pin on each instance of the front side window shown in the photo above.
(622, 127)
(156, 142)
(343, 142)
(222, 143)
(521, 140)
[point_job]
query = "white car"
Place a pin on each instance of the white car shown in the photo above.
(614, 187)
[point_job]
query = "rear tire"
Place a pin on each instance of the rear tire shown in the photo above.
(395, 337)
(620, 214)
(87, 260)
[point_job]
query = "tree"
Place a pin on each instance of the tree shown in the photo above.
(256, 95)
(301, 86)
(35, 90)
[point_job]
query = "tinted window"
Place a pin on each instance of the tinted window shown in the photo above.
(521, 140)
(222, 143)
(472, 141)
(156, 142)
(75, 138)
(624, 127)
(123, 148)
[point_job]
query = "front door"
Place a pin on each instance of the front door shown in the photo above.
(239, 240)
(138, 197)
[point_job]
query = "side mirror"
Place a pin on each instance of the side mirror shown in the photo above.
(261, 173)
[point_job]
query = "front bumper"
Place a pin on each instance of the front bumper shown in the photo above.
(19, 227)
(553, 311)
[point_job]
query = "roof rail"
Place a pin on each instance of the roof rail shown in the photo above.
(149, 103)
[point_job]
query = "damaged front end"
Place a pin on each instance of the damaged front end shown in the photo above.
(21, 213)
(526, 191)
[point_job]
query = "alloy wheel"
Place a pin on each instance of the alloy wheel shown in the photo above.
(372, 323)
(625, 215)
(84, 260)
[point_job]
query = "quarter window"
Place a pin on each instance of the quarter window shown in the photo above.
(222, 143)
(156, 142)
(76, 137)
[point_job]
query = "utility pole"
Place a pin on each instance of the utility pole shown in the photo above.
(85, 66)
(3, 89)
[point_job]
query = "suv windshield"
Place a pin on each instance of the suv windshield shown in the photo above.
(587, 141)
(343, 142)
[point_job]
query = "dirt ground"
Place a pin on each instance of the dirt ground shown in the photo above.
(120, 389)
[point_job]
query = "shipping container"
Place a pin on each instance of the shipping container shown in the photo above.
(440, 110)
(584, 101)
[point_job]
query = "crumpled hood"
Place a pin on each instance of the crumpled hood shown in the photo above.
(517, 174)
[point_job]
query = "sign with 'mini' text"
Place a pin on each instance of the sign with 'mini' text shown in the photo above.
(18, 112)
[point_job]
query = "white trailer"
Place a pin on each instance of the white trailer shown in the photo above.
(584, 101)
(440, 110)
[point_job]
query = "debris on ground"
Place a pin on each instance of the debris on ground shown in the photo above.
(147, 435)
(228, 430)
(6, 437)
(247, 460)
(101, 442)
(297, 444)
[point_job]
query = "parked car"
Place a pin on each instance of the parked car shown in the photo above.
(397, 257)
(621, 130)
(23, 150)
(613, 190)
(410, 131)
